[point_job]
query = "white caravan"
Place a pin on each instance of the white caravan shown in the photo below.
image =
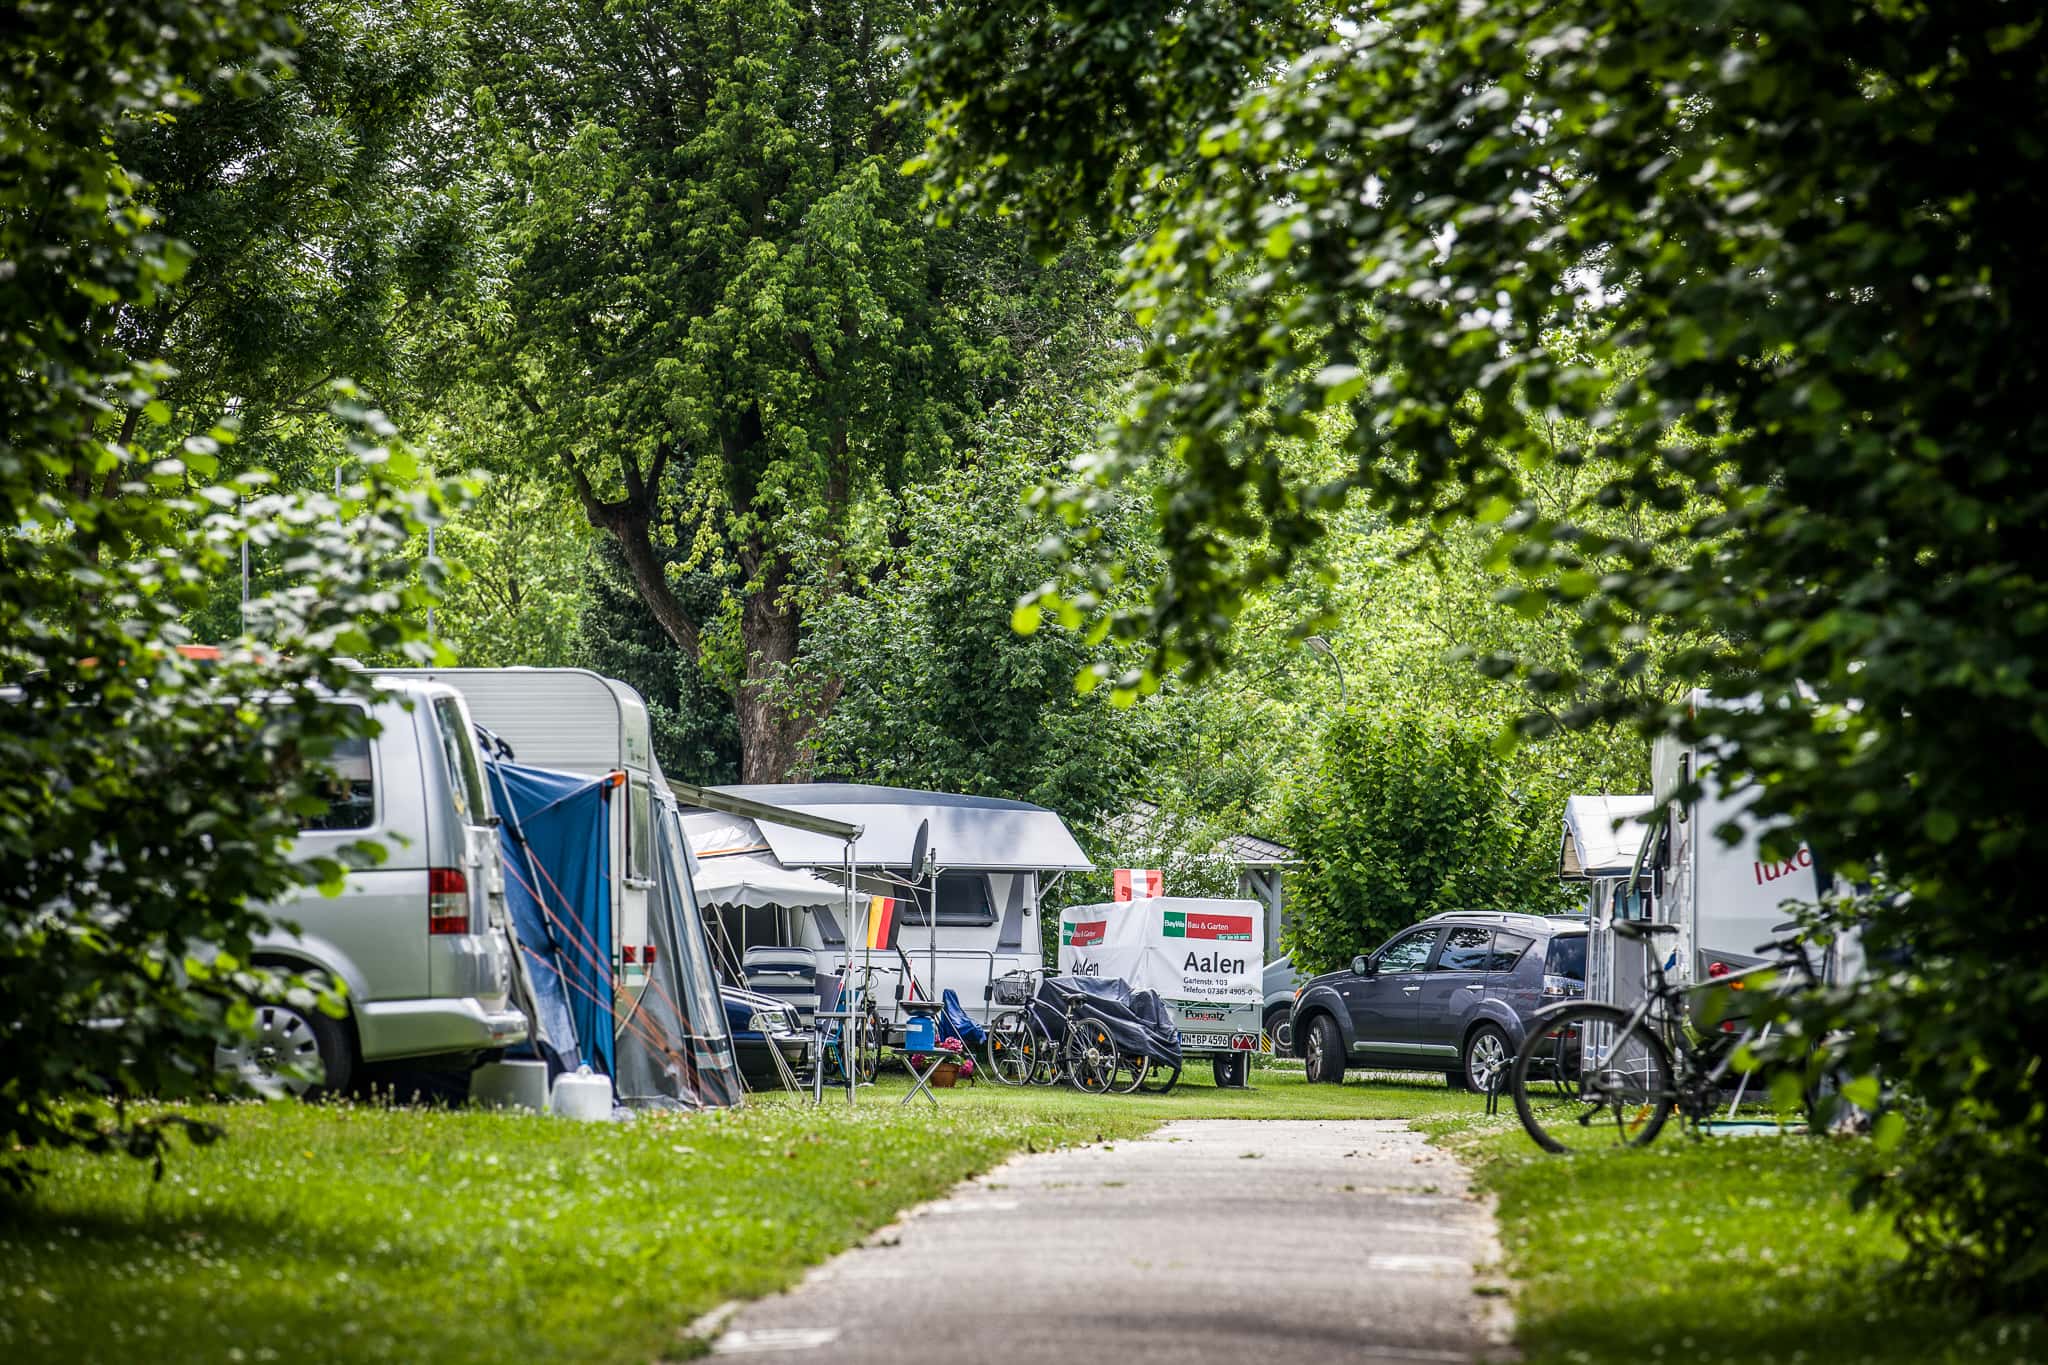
(1603, 838)
(782, 910)
(1726, 899)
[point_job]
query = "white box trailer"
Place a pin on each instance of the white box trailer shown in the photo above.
(1200, 954)
(1601, 844)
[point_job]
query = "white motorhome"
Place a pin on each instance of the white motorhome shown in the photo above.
(782, 909)
(1727, 900)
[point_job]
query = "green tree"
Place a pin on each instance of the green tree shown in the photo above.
(935, 690)
(150, 796)
(322, 219)
(721, 310)
(1400, 818)
(525, 556)
(1780, 263)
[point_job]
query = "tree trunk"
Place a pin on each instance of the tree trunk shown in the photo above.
(773, 727)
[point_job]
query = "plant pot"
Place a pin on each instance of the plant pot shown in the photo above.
(947, 1074)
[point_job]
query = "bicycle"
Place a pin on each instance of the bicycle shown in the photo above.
(865, 1028)
(1017, 1047)
(1592, 1076)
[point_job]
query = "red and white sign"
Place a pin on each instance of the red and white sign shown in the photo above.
(1138, 884)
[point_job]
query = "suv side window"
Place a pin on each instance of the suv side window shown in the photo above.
(1407, 953)
(1466, 949)
(465, 778)
(1507, 950)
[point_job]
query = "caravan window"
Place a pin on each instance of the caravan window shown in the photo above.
(963, 900)
(639, 835)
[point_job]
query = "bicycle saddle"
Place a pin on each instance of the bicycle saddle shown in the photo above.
(1639, 929)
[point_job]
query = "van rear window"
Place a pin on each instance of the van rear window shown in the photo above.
(1567, 957)
(465, 777)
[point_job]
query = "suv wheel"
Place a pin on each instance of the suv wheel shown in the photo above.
(1324, 1052)
(1280, 1028)
(1487, 1056)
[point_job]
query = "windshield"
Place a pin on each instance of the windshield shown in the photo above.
(1567, 957)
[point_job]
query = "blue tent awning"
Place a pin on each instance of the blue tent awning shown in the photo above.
(557, 887)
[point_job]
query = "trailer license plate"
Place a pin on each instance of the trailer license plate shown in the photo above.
(1231, 1042)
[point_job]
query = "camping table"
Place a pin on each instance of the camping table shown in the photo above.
(938, 1057)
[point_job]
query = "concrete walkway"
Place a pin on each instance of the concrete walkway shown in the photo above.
(1211, 1240)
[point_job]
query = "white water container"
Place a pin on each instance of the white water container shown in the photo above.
(581, 1095)
(510, 1085)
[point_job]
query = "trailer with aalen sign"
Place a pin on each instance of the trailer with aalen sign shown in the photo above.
(1200, 954)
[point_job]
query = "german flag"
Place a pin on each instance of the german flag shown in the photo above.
(885, 922)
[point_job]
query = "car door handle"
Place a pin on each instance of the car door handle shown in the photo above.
(1476, 986)
(1410, 990)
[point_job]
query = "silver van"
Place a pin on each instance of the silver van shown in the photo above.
(422, 941)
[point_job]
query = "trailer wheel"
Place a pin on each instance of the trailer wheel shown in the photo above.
(1230, 1069)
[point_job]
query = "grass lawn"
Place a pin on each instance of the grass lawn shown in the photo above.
(1723, 1249)
(353, 1232)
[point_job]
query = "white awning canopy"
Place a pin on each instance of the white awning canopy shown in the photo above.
(736, 867)
(1602, 835)
(755, 881)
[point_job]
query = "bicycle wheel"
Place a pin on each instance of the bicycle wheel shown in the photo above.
(1129, 1073)
(1587, 1081)
(1089, 1057)
(1012, 1048)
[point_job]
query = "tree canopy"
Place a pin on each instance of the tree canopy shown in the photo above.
(1778, 267)
(723, 321)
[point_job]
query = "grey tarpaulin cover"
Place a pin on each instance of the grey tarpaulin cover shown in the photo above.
(674, 1049)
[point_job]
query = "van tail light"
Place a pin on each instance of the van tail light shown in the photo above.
(447, 901)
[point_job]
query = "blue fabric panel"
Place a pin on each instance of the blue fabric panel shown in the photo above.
(955, 1022)
(555, 836)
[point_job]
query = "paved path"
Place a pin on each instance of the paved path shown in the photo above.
(1212, 1240)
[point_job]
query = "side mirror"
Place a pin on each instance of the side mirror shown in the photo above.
(1362, 966)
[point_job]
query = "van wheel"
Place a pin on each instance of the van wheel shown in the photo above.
(1324, 1055)
(303, 1053)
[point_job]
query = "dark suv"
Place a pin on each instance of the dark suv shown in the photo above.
(1452, 994)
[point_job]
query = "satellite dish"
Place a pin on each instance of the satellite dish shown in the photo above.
(920, 850)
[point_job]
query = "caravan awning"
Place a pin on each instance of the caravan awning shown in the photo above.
(979, 832)
(736, 867)
(755, 881)
(1602, 835)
